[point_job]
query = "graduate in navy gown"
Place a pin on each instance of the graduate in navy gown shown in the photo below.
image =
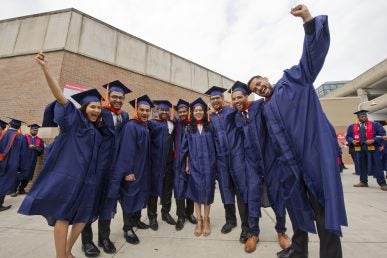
(13, 159)
(301, 133)
(66, 188)
(35, 149)
(131, 175)
(262, 172)
(114, 118)
(161, 132)
(198, 145)
(366, 137)
(184, 206)
(230, 162)
(3, 126)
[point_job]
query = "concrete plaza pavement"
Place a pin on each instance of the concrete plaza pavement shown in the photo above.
(23, 236)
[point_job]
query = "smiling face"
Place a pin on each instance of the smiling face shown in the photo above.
(116, 99)
(198, 113)
(216, 102)
(143, 112)
(93, 111)
(239, 100)
(163, 113)
(362, 117)
(261, 86)
(183, 113)
(34, 131)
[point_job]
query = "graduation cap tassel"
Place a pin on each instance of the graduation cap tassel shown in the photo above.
(107, 96)
(208, 114)
(135, 107)
(172, 114)
(231, 104)
(189, 113)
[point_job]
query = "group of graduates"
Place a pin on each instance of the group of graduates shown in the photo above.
(367, 144)
(278, 151)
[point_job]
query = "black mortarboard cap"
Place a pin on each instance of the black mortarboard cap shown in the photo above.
(240, 86)
(87, 96)
(34, 126)
(48, 115)
(215, 91)
(145, 100)
(181, 104)
(162, 104)
(3, 124)
(361, 112)
(15, 123)
(117, 86)
(198, 102)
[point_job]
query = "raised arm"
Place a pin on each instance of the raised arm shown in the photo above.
(315, 48)
(52, 83)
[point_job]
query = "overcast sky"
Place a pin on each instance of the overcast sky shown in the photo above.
(240, 38)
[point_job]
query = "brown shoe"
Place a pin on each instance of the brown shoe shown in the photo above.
(198, 227)
(283, 240)
(383, 187)
(251, 244)
(361, 184)
(206, 227)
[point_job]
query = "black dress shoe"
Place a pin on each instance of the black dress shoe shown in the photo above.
(131, 237)
(168, 218)
(107, 245)
(290, 253)
(228, 227)
(153, 224)
(244, 236)
(141, 225)
(90, 249)
(180, 223)
(191, 218)
(4, 208)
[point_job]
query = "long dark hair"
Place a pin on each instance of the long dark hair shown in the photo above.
(98, 123)
(193, 126)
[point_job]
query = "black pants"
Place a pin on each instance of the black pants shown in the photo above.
(2, 200)
(184, 207)
(230, 213)
(103, 231)
(21, 185)
(363, 158)
(166, 196)
(130, 219)
(152, 207)
(330, 245)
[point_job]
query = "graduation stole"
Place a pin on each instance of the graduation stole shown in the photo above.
(3, 155)
(369, 127)
(117, 112)
(2, 134)
(37, 140)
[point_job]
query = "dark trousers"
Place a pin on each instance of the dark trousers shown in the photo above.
(2, 197)
(21, 185)
(364, 169)
(152, 207)
(280, 227)
(230, 213)
(103, 231)
(330, 245)
(166, 195)
(130, 219)
(184, 207)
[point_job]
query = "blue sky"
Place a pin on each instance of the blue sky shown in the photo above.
(240, 38)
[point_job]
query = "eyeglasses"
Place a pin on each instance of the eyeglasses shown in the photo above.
(114, 97)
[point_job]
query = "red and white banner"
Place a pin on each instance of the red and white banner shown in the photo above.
(71, 88)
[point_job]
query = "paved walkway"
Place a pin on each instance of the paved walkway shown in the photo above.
(22, 236)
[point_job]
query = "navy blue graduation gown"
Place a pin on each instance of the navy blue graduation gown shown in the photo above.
(231, 174)
(106, 161)
(299, 127)
(133, 158)
(180, 183)
(15, 161)
(160, 151)
(32, 157)
(253, 143)
(200, 148)
(67, 184)
(374, 157)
